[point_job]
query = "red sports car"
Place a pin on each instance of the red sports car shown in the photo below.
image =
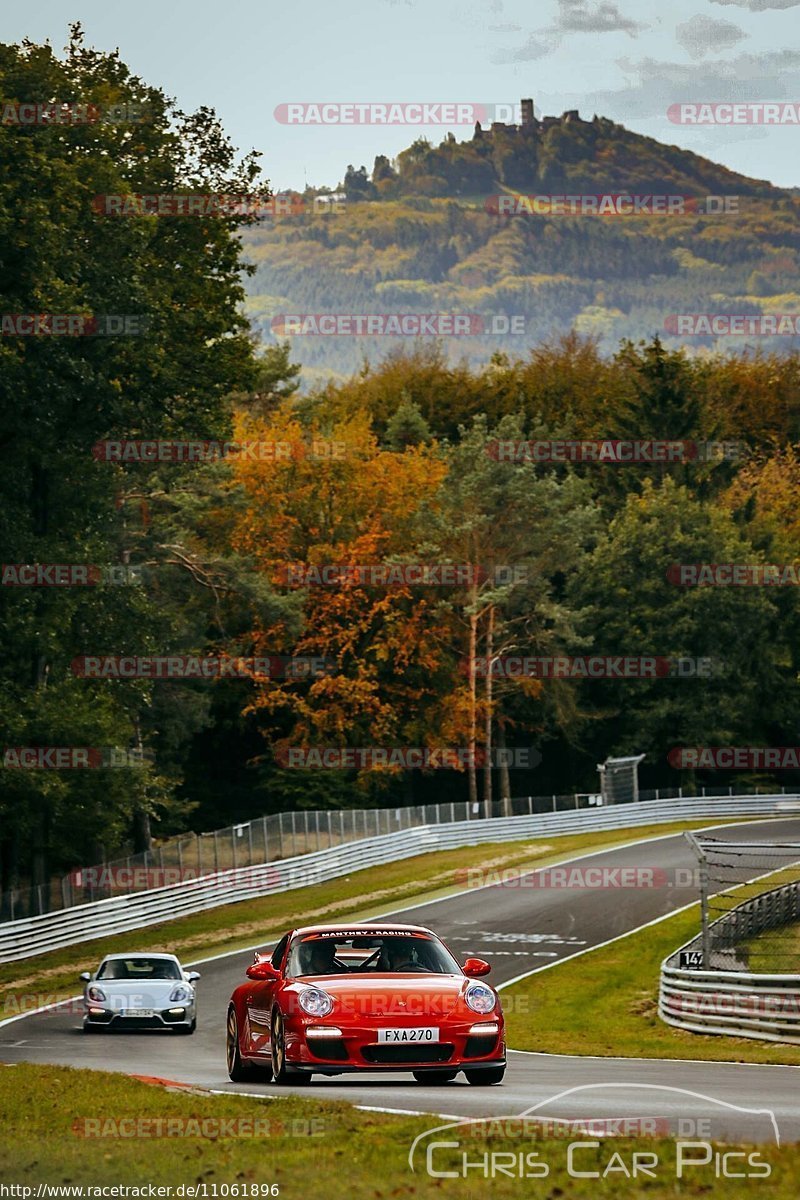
(381, 997)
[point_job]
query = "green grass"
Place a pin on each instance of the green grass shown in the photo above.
(605, 1003)
(776, 952)
(32, 982)
(307, 1147)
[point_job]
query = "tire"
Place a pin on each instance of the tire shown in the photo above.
(92, 1028)
(434, 1077)
(485, 1077)
(278, 1044)
(239, 1070)
(186, 1030)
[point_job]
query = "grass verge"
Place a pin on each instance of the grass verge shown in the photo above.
(606, 1003)
(30, 983)
(774, 952)
(308, 1148)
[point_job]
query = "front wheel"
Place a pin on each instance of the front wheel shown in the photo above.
(485, 1077)
(239, 1070)
(278, 1044)
(434, 1077)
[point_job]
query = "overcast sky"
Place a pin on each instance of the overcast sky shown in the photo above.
(628, 61)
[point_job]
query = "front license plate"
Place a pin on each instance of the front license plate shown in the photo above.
(423, 1033)
(137, 1012)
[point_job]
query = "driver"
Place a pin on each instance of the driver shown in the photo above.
(399, 954)
(317, 958)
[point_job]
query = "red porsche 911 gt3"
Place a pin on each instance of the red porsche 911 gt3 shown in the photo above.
(381, 997)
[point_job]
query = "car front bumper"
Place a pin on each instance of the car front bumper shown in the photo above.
(165, 1018)
(357, 1049)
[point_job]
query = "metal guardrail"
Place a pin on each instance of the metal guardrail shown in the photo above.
(734, 1002)
(51, 931)
(269, 838)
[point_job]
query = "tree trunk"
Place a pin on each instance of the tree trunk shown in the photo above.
(142, 837)
(473, 717)
(487, 765)
(505, 780)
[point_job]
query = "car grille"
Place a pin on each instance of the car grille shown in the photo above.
(328, 1048)
(138, 1023)
(432, 1052)
(476, 1045)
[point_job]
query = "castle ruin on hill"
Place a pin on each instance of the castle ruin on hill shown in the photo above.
(529, 122)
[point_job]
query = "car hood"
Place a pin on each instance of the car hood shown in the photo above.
(133, 993)
(386, 995)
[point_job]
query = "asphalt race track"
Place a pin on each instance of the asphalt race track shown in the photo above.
(519, 929)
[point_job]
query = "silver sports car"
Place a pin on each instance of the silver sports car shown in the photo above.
(140, 991)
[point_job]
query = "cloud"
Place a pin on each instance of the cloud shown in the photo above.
(703, 35)
(578, 16)
(533, 49)
(759, 5)
(505, 28)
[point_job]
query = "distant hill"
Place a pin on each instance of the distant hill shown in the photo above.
(427, 234)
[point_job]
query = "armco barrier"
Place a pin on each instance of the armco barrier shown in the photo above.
(51, 931)
(736, 1003)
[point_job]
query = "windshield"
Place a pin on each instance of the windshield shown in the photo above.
(360, 951)
(139, 968)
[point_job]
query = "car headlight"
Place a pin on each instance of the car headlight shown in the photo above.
(181, 992)
(315, 1002)
(480, 998)
(96, 993)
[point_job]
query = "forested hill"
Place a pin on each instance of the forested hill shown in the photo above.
(556, 154)
(423, 234)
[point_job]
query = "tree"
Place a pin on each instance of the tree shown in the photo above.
(632, 606)
(178, 278)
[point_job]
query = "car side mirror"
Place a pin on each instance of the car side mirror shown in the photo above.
(475, 967)
(85, 976)
(191, 976)
(262, 970)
